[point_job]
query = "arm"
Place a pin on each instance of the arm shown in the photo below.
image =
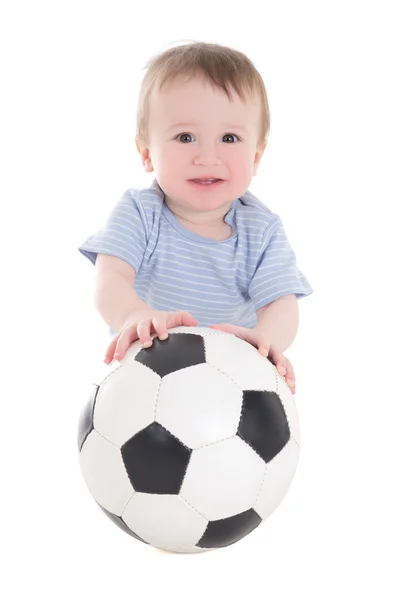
(280, 321)
(114, 296)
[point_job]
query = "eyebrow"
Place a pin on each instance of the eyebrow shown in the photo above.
(227, 126)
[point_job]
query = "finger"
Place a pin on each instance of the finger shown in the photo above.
(187, 318)
(110, 350)
(292, 385)
(290, 382)
(290, 376)
(289, 370)
(183, 318)
(263, 351)
(143, 331)
(225, 327)
(160, 327)
(278, 360)
(281, 368)
(126, 338)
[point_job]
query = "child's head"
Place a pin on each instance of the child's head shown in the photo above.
(202, 112)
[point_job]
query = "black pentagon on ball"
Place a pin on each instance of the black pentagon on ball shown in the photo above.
(121, 523)
(263, 423)
(178, 351)
(225, 532)
(155, 460)
(85, 425)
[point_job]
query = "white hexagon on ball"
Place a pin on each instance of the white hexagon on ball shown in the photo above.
(210, 413)
(164, 521)
(104, 473)
(240, 361)
(223, 479)
(126, 402)
(278, 478)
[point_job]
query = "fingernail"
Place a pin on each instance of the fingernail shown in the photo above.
(147, 344)
(163, 337)
(282, 370)
(290, 382)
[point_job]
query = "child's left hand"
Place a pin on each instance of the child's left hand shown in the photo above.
(258, 338)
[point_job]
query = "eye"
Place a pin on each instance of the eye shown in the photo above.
(183, 135)
(231, 135)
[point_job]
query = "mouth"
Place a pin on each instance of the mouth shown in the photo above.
(209, 182)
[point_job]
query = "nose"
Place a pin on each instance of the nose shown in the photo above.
(207, 156)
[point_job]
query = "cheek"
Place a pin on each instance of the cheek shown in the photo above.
(241, 165)
(165, 160)
(170, 164)
(173, 156)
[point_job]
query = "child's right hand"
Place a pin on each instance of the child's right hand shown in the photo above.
(139, 325)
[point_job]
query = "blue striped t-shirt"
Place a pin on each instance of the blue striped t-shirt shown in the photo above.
(177, 269)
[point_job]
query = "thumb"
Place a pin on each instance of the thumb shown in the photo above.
(183, 318)
(188, 319)
(224, 327)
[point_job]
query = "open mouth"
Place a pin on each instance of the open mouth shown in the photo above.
(206, 182)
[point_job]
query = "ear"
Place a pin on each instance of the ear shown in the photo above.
(145, 156)
(258, 156)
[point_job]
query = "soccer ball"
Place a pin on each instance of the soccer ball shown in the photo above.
(192, 443)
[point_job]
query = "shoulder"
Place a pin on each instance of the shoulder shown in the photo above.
(253, 212)
(144, 204)
(256, 223)
(145, 199)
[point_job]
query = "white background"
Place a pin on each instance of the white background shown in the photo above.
(70, 73)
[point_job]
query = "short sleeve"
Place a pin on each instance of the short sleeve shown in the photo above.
(277, 273)
(123, 235)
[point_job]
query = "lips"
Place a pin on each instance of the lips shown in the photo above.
(206, 180)
(206, 185)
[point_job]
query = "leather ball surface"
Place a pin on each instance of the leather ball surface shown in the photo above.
(191, 444)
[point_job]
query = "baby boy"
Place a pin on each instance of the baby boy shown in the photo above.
(196, 247)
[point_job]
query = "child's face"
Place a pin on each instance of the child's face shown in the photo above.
(197, 132)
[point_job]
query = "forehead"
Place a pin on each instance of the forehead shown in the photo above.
(196, 100)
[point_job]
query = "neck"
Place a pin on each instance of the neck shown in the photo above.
(200, 218)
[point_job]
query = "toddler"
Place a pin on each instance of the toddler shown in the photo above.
(196, 247)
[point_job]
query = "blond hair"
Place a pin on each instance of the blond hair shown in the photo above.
(223, 67)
